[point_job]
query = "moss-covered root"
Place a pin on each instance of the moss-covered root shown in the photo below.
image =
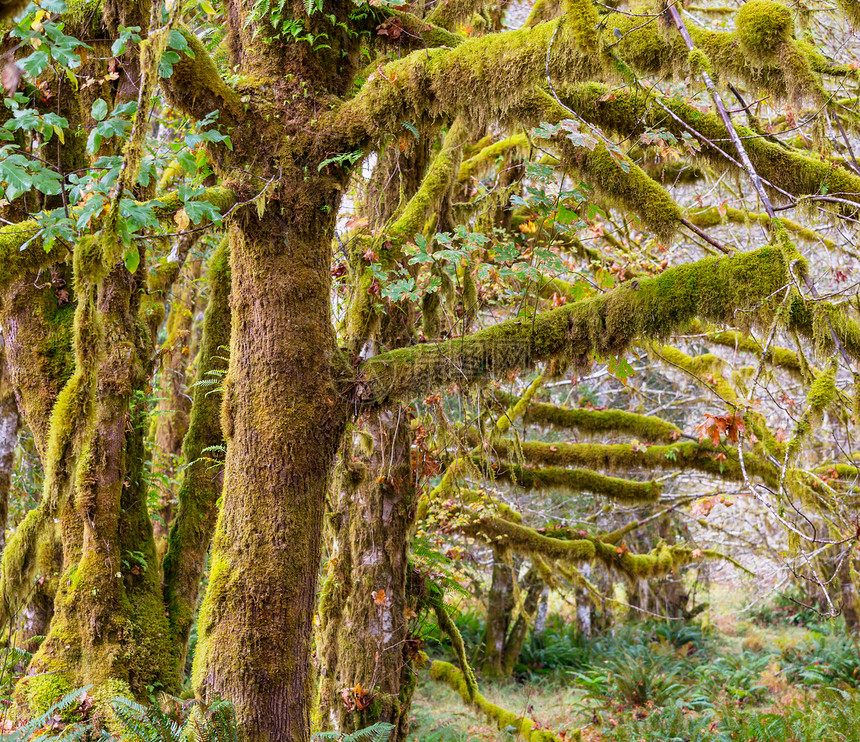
(444, 672)
(201, 486)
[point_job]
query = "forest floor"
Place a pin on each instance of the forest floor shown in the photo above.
(770, 674)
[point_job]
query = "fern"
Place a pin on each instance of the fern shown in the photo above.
(40, 727)
(379, 732)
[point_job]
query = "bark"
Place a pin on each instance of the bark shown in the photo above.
(36, 321)
(198, 494)
(283, 422)
(499, 606)
(9, 423)
(109, 622)
(365, 636)
(174, 403)
(533, 586)
(850, 601)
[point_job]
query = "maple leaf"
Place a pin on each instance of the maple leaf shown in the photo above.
(703, 506)
(379, 597)
(717, 426)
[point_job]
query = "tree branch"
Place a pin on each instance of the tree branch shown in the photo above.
(712, 289)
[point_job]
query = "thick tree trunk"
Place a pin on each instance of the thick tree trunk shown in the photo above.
(365, 638)
(499, 607)
(109, 621)
(36, 321)
(283, 421)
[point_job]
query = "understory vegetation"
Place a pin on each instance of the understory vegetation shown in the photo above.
(755, 679)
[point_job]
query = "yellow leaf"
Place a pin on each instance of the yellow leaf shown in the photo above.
(181, 219)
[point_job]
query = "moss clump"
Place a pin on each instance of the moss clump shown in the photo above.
(763, 27)
(37, 693)
(699, 62)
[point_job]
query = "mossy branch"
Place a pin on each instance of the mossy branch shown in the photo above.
(197, 89)
(16, 262)
(506, 534)
(625, 457)
(578, 480)
(794, 172)
(712, 289)
(596, 422)
(450, 628)
(444, 672)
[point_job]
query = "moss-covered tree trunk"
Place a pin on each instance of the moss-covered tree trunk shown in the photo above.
(191, 532)
(36, 320)
(500, 603)
(109, 623)
(365, 627)
(533, 587)
(174, 403)
(283, 421)
(9, 424)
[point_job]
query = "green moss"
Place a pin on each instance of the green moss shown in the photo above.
(39, 692)
(714, 216)
(597, 422)
(712, 289)
(763, 27)
(450, 628)
(698, 62)
(851, 9)
(444, 672)
(581, 480)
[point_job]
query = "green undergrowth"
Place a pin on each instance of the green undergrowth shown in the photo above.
(788, 681)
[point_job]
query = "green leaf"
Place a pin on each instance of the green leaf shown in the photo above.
(131, 258)
(100, 109)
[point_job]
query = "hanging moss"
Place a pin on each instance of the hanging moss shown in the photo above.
(851, 9)
(628, 112)
(698, 62)
(822, 392)
(714, 216)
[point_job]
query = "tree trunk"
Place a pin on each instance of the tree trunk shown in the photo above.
(36, 323)
(9, 423)
(283, 421)
(365, 630)
(499, 607)
(198, 495)
(174, 403)
(533, 585)
(109, 622)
